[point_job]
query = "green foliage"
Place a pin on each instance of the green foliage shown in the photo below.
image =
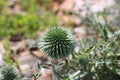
(8, 72)
(3, 6)
(34, 5)
(9, 56)
(37, 74)
(28, 24)
(57, 43)
(31, 7)
(95, 60)
(98, 61)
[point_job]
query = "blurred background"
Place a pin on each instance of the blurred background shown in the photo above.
(29, 18)
(22, 22)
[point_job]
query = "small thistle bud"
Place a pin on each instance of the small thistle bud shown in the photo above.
(57, 43)
(8, 73)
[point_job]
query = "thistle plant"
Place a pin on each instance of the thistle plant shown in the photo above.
(9, 73)
(57, 43)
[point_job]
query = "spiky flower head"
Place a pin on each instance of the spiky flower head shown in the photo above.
(8, 72)
(57, 43)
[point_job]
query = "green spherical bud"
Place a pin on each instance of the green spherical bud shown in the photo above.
(57, 43)
(8, 73)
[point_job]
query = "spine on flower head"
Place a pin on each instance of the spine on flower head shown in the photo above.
(57, 42)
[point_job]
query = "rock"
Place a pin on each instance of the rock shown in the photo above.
(79, 4)
(31, 44)
(28, 63)
(25, 69)
(39, 54)
(2, 51)
(55, 6)
(17, 47)
(67, 5)
(28, 59)
(68, 19)
(24, 53)
(1, 60)
(96, 5)
(46, 74)
(80, 32)
(77, 48)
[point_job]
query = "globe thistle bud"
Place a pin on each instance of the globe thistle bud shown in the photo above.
(57, 43)
(8, 73)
